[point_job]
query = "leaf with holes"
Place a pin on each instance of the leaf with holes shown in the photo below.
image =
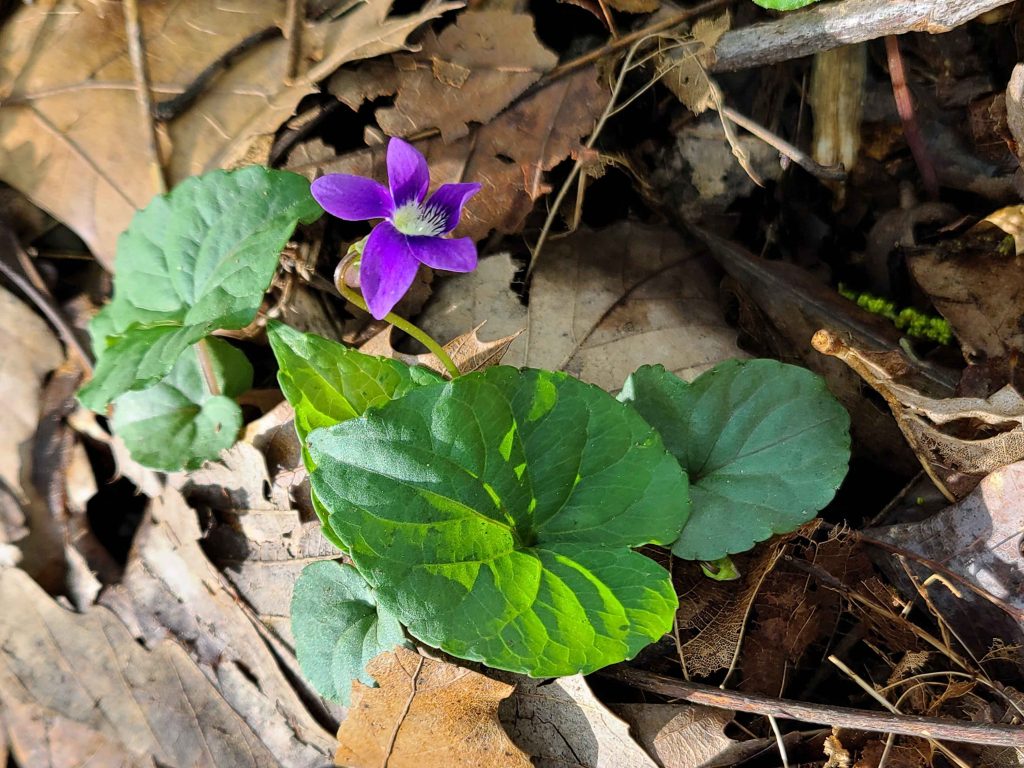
(339, 628)
(179, 423)
(765, 444)
(495, 515)
(193, 261)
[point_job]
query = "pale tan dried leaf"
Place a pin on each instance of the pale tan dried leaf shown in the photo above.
(468, 73)
(561, 722)
(426, 713)
(684, 71)
(838, 756)
(30, 351)
(715, 612)
(73, 138)
(954, 462)
(603, 303)
(76, 682)
(171, 589)
(509, 155)
(679, 735)
(909, 663)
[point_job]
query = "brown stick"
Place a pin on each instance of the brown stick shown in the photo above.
(832, 25)
(845, 717)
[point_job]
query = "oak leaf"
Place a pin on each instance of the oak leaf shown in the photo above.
(467, 73)
(426, 713)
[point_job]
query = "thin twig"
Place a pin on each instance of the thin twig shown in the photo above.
(794, 153)
(778, 740)
(137, 56)
(833, 25)
(843, 717)
(905, 107)
(892, 708)
(294, 17)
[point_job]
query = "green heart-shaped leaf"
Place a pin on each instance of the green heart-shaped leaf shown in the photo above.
(193, 261)
(494, 515)
(327, 382)
(339, 628)
(178, 423)
(765, 444)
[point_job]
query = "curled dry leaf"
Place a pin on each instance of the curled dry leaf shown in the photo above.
(468, 73)
(509, 155)
(603, 303)
(684, 70)
(467, 351)
(67, 88)
(562, 723)
(956, 463)
(425, 713)
(74, 684)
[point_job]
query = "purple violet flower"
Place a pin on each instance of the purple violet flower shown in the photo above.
(413, 230)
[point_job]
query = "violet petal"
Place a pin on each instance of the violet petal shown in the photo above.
(353, 198)
(387, 269)
(449, 199)
(408, 174)
(458, 255)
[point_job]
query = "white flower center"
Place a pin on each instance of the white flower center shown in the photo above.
(413, 219)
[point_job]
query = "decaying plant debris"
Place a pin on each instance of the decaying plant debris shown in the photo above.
(675, 183)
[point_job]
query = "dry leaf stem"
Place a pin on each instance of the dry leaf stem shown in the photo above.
(793, 152)
(892, 708)
(137, 55)
(843, 717)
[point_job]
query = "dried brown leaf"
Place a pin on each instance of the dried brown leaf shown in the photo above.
(684, 71)
(562, 722)
(955, 460)
(603, 303)
(468, 73)
(977, 283)
(979, 538)
(467, 351)
(679, 735)
(73, 683)
(73, 139)
(425, 713)
(30, 352)
(635, 6)
(509, 155)
(171, 589)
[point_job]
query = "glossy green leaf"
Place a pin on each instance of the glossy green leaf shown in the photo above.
(327, 382)
(193, 261)
(178, 423)
(495, 515)
(784, 5)
(339, 628)
(766, 446)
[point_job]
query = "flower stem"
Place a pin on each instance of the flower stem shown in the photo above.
(206, 366)
(400, 323)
